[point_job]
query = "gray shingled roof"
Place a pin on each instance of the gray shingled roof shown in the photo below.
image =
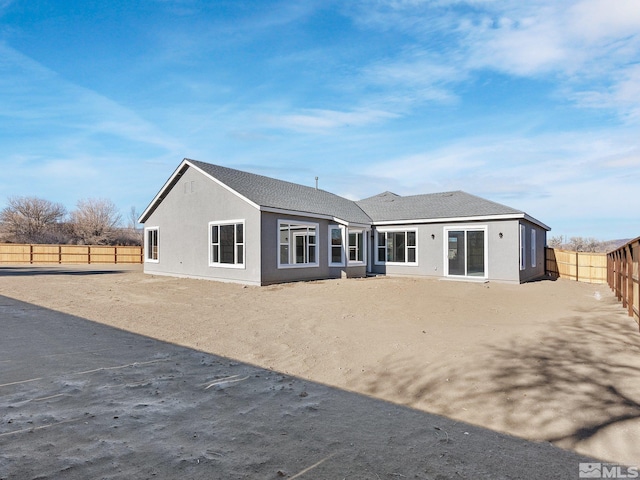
(270, 192)
(385, 207)
(388, 206)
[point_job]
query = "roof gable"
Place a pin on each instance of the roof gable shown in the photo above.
(269, 193)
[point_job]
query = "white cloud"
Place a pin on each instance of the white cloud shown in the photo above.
(561, 178)
(320, 121)
(582, 45)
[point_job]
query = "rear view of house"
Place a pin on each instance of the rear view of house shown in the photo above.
(218, 223)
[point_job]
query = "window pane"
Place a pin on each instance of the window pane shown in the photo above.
(411, 239)
(215, 256)
(239, 233)
(382, 239)
(336, 236)
(214, 234)
(456, 253)
(152, 245)
(399, 243)
(284, 233)
(284, 254)
(475, 253)
(391, 253)
(300, 249)
(312, 254)
(381, 254)
(411, 254)
(240, 253)
(336, 254)
(227, 244)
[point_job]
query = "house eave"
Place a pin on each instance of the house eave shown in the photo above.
(297, 213)
(481, 218)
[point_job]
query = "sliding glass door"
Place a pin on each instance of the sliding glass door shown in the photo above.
(466, 252)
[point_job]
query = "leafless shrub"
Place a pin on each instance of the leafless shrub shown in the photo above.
(95, 222)
(32, 220)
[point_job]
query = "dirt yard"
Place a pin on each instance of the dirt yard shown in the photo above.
(555, 361)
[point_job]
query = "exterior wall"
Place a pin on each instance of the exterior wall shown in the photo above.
(503, 252)
(271, 273)
(530, 272)
(183, 221)
(183, 217)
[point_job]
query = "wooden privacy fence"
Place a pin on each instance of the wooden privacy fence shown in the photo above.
(580, 266)
(622, 276)
(79, 254)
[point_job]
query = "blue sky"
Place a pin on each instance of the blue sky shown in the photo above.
(532, 104)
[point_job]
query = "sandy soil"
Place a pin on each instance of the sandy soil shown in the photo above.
(557, 361)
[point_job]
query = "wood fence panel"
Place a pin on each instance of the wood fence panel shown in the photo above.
(69, 254)
(623, 276)
(11, 253)
(581, 266)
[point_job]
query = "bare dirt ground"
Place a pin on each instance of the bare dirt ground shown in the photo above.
(555, 361)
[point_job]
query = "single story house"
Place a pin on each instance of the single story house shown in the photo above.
(218, 223)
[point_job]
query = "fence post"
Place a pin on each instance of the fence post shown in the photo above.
(89, 254)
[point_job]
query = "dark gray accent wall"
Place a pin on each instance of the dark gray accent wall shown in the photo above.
(533, 273)
(270, 249)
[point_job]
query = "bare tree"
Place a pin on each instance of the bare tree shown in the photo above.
(95, 221)
(32, 220)
(555, 242)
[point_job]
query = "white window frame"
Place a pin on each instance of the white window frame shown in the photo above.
(147, 250)
(523, 249)
(362, 248)
(466, 229)
(236, 244)
(533, 247)
(341, 228)
(376, 261)
(291, 251)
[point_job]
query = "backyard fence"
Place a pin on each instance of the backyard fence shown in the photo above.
(580, 266)
(623, 276)
(78, 254)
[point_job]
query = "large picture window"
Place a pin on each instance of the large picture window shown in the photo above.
(151, 253)
(298, 244)
(397, 247)
(226, 243)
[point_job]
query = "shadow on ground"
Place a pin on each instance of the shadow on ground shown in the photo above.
(81, 400)
(576, 385)
(56, 270)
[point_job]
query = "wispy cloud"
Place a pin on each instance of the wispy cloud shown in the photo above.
(33, 94)
(576, 43)
(322, 121)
